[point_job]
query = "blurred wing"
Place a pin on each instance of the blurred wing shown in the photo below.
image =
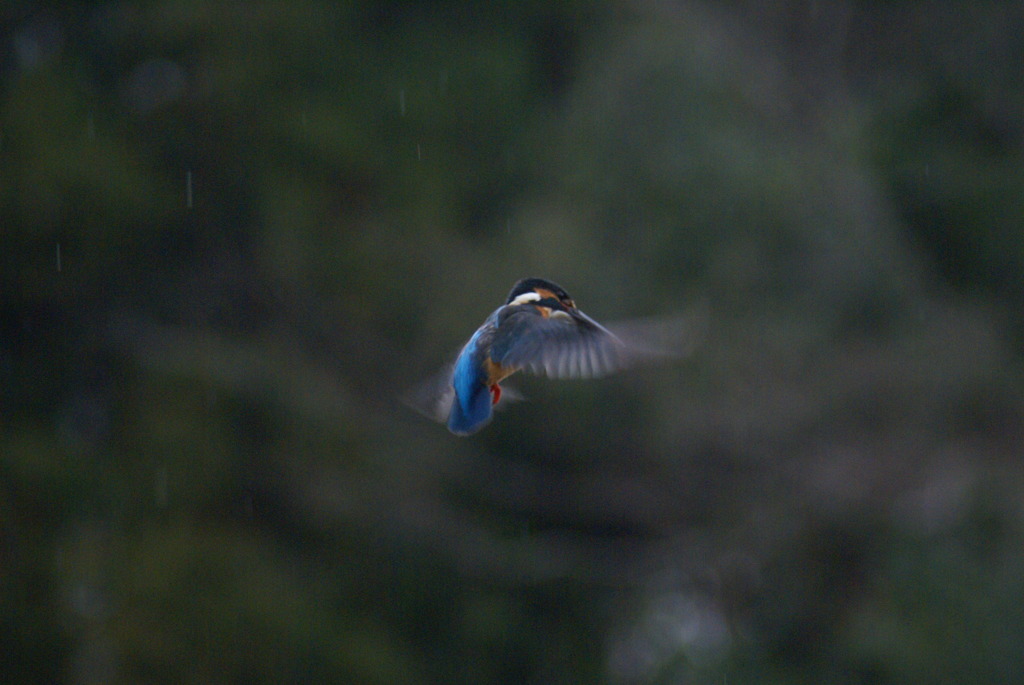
(433, 397)
(559, 346)
(579, 347)
(673, 336)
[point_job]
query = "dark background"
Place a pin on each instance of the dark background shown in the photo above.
(233, 234)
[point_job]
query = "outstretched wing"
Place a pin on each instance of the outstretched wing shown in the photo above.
(572, 345)
(562, 345)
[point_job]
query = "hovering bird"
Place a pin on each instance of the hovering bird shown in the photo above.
(539, 330)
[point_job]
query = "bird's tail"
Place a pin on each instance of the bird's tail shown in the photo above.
(470, 414)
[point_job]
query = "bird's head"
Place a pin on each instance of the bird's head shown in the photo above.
(541, 293)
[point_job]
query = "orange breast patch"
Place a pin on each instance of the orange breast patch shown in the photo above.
(496, 372)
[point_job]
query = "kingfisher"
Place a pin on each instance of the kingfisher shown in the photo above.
(538, 330)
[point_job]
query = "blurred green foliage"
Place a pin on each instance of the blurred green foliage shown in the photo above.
(235, 234)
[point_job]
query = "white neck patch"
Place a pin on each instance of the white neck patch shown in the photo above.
(524, 298)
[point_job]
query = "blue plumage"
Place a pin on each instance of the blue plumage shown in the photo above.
(471, 407)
